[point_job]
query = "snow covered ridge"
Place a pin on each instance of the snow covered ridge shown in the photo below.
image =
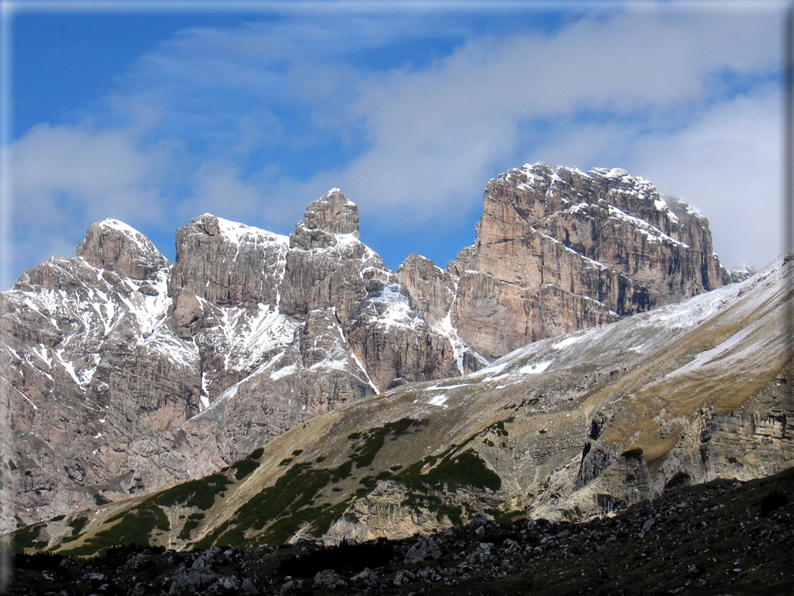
(542, 176)
(249, 336)
(127, 230)
(220, 338)
(241, 233)
(90, 314)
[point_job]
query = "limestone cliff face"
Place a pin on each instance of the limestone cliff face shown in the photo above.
(326, 268)
(559, 250)
(125, 373)
(115, 246)
(226, 263)
(90, 377)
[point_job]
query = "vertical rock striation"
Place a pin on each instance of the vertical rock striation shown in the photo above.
(559, 250)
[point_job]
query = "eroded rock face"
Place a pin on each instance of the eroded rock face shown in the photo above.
(227, 263)
(558, 250)
(91, 371)
(115, 246)
(327, 265)
(432, 287)
(128, 374)
(331, 214)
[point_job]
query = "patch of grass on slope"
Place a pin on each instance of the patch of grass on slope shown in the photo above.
(464, 469)
(194, 493)
(281, 510)
(28, 537)
(243, 468)
(133, 528)
(281, 502)
(193, 521)
(372, 442)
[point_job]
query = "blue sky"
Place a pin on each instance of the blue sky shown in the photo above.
(156, 112)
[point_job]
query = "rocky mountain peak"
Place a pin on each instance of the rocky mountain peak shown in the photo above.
(207, 223)
(227, 263)
(115, 246)
(333, 213)
(559, 249)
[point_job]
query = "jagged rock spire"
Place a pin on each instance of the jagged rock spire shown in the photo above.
(333, 213)
(113, 245)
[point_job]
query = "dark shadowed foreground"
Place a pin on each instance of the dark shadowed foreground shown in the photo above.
(724, 537)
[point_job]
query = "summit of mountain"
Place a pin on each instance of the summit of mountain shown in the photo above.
(558, 250)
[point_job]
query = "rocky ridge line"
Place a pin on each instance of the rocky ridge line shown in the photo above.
(127, 373)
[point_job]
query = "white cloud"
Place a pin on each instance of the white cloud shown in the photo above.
(202, 123)
(439, 133)
(66, 177)
(99, 171)
(221, 189)
(728, 164)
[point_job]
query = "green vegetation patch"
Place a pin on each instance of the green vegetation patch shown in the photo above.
(319, 518)
(293, 491)
(193, 521)
(100, 499)
(244, 467)
(289, 505)
(195, 493)
(372, 442)
(464, 469)
(77, 525)
(134, 528)
(276, 513)
(28, 537)
(368, 482)
(342, 472)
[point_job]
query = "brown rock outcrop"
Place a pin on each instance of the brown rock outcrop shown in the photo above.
(433, 289)
(333, 213)
(327, 265)
(558, 250)
(115, 246)
(227, 263)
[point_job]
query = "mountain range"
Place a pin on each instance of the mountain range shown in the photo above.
(522, 379)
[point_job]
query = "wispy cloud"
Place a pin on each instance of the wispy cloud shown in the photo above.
(65, 176)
